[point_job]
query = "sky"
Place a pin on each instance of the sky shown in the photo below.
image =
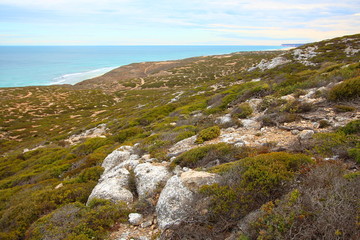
(175, 22)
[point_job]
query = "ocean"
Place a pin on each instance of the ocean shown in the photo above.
(46, 65)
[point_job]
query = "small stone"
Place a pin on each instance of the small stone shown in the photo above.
(288, 98)
(295, 132)
(59, 186)
(177, 170)
(251, 124)
(224, 119)
(146, 224)
(135, 218)
(306, 134)
(240, 144)
(146, 157)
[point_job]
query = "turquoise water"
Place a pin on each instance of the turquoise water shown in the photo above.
(45, 65)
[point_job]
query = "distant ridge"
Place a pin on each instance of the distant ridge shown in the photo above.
(292, 44)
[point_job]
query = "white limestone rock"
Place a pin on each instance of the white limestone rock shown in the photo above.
(251, 124)
(264, 64)
(306, 134)
(179, 199)
(193, 180)
(98, 131)
(224, 119)
(149, 177)
(175, 203)
(115, 158)
(304, 55)
(254, 103)
(135, 219)
(113, 186)
(182, 146)
(288, 98)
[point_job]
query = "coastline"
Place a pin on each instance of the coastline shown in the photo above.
(30, 68)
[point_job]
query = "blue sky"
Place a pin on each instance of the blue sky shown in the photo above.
(175, 22)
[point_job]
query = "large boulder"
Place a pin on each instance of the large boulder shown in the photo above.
(182, 146)
(226, 119)
(123, 157)
(113, 186)
(114, 158)
(179, 199)
(193, 180)
(306, 134)
(251, 124)
(149, 177)
(175, 203)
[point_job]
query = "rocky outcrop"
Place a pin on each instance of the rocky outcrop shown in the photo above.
(304, 55)
(306, 134)
(177, 201)
(351, 51)
(135, 218)
(193, 180)
(182, 146)
(264, 64)
(251, 124)
(98, 131)
(121, 157)
(114, 182)
(224, 119)
(149, 177)
(113, 186)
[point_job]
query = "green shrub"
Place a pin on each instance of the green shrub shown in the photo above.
(244, 110)
(208, 134)
(329, 144)
(297, 107)
(344, 108)
(76, 221)
(312, 209)
(252, 181)
(90, 174)
(355, 153)
(202, 156)
(352, 127)
(184, 135)
(324, 123)
(90, 145)
(347, 90)
(128, 133)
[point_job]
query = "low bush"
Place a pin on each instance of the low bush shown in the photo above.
(343, 108)
(90, 145)
(184, 135)
(210, 155)
(250, 182)
(90, 174)
(352, 127)
(347, 90)
(76, 221)
(322, 207)
(324, 123)
(208, 134)
(297, 107)
(343, 143)
(128, 133)
(244, 110)
(354, 153)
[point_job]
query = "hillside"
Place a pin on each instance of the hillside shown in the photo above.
(248, 145)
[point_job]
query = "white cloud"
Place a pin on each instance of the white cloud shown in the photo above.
(251, 19)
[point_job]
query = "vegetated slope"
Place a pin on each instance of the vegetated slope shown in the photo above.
(258, 110)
